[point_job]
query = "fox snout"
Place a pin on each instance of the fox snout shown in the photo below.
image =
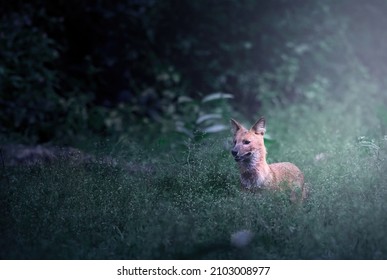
(234, 153)
(239, 157)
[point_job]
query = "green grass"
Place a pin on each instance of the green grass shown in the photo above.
(186, 204)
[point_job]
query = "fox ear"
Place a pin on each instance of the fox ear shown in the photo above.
(235, 126)
(260, 126)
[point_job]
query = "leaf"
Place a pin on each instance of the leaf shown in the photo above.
(268, 137)
(180, 128)
(215, 128)
(183, 99)
(206, 117)
(217, 96)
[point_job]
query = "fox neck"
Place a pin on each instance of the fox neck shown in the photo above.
(255, 172)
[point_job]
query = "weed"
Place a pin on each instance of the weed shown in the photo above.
(187, 204)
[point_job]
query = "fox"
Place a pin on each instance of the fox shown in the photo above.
(256, 174)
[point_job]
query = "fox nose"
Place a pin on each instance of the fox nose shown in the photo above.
(234, 153)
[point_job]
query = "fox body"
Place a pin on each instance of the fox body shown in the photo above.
(256, 174)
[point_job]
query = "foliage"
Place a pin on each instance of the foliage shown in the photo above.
(196, 121)
(186, 204)
(71, 69)
(33, 101)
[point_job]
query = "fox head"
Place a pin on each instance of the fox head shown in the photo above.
(248, 145)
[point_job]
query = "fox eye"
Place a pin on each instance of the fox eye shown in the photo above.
(246, 142)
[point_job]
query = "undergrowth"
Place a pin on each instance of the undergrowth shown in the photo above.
(186, 204)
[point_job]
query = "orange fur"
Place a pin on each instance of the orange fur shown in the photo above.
(250, 152)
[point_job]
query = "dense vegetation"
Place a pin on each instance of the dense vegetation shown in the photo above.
(179, 205)
(146, 89)
(73, 69)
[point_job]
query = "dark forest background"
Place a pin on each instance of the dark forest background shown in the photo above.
(73, 69)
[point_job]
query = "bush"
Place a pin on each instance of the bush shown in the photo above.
(137, 61)
(33, 101)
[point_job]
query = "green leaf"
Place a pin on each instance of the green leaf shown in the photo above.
(206, 117)
(217, 96)
(182, 129)
(183, 99)
(215, 128)
(268, 137)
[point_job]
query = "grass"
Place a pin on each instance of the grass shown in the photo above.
(186, 204)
